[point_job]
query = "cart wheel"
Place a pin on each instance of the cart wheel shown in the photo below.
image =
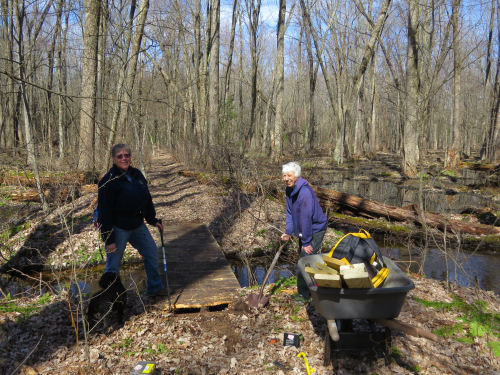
(327, 359)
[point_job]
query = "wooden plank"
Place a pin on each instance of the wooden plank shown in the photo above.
(356, 276)
(333, 262)
(326, 280)
(198, 273)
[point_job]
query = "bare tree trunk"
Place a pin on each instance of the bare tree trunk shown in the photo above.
(310, 138)
(51, 58)
(61, 79)
(7, 33)
(20, 12)
(200, 99)
(213, 125)
(253, 20)
(131, 66)
(489, 148)
(372, 134)
(86, 160)
(100, 143)
(338, 156)
(241, 127)
(227, 74)
(360, 116)
(120, 86)
(411, 131)
(277, 146)
(453, 157)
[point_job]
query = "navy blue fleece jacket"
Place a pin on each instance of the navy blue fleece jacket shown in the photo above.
(123, 201)
(304, 215)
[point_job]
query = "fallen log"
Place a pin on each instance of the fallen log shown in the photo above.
(342, 202)
(408, 329)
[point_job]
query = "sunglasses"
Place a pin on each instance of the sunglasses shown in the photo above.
(121, 156)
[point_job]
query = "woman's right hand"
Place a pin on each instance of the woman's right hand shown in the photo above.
(111, 248)
(285, 237)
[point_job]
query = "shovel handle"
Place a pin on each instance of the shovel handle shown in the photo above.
(276, 256)
(161, 233)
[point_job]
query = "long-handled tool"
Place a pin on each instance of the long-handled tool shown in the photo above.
(165, 269)
(255, 300)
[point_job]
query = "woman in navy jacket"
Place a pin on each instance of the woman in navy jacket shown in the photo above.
(123, 203)
(304, 217)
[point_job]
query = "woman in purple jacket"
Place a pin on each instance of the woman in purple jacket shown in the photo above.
(304, 218)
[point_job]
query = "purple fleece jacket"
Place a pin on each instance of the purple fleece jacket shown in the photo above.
(304, 215)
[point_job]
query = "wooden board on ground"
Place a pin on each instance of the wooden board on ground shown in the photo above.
(199, 275)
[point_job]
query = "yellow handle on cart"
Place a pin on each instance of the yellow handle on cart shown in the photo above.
(308, 369)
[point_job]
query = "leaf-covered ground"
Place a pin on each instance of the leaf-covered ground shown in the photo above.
(44, 335)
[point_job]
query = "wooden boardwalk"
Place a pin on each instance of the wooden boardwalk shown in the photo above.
(199, 275)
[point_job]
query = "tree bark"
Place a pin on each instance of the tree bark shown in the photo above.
(277, 146)
(453, 157)
(86, 160)
(121, 85)
(62, 84)
(131, 66)
(20, 13)
(213, 125)
(411, 151)
(253, 10)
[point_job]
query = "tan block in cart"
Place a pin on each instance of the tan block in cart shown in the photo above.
(315, 271)
(324, 267)
(356, 276)
(333, 262)
(328, 280)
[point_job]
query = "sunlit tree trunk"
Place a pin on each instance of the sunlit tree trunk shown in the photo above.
(489, 148)
(229, 64)
(277, 147)
(101, 78)
(253, 10)
(131, 66)
(372, 134)
(50, 82)
(453, 157)
(61, 81)
(86, 160)
(213, 125)
(120, 86)
(20, 13)
(11, 136)
(411, 132)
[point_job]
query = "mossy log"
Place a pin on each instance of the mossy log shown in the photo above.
(355, 205)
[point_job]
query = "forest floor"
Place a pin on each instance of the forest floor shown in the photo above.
(43, 338)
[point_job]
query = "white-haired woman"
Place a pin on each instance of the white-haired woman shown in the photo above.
(304, 218)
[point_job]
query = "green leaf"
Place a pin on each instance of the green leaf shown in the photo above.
(477, 329)
(495, 347)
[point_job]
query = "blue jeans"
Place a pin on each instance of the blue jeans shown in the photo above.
(143, 242)
(317, 239)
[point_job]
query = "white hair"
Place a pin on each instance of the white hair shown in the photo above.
(292, 167)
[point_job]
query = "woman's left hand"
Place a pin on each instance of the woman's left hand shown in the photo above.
(308, 249)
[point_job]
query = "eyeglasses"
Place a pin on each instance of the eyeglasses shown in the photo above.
(121, 156)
